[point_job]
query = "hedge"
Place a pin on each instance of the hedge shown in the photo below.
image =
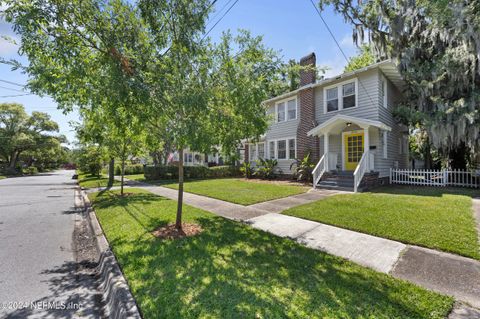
(129, 169)
(190, 172)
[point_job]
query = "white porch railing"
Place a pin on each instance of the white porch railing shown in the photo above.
(435, 177)
(319, 170)
(362, 167)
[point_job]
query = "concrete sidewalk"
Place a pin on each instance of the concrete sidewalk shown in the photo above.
(442, 272)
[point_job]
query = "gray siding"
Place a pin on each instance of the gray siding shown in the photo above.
(282, 130)
(367, 99)
(393, 147)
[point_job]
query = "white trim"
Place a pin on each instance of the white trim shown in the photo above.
(388, 62)
(339, 87)
(285, 101)
(385, 144)
(343, 144)
(356, 120)
(287, 148)
(384, 80)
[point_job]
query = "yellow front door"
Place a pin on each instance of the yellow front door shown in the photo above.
(353, 150)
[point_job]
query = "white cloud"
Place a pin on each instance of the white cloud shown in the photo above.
(335, 66)
(347, 42)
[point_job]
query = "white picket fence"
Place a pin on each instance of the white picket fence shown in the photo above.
(435, 177)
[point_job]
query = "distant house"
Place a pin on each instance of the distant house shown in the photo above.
(344, 122)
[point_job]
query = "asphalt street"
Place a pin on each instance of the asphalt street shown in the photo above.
(37, 262)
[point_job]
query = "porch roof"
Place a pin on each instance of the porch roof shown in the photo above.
(339, 121)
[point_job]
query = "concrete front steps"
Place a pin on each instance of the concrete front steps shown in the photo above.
(337, 180)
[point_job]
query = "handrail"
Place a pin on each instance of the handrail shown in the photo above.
(319, 170)
(362, 167)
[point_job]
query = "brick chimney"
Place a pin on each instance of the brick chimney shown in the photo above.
(306, 99)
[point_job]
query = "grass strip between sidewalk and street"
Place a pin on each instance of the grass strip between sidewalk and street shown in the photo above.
(230, 270)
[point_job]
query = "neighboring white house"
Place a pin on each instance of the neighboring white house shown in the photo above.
(344, 122)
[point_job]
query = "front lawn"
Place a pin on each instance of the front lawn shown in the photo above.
(233, 271)
(136, 177)
(92, 181)
(239, 191)
(2, 177)
(437, 218)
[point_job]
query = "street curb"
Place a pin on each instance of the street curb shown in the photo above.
(116, 296)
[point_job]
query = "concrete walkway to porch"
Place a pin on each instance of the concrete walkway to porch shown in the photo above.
(442, 272)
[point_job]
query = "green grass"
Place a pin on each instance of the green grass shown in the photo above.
(239, 191)
(2, 177)
(90, 181)
(431, 217)
(233, 271)
(136, 177)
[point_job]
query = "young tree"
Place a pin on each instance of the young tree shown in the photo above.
(436, 46)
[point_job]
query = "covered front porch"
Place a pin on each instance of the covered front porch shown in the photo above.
(348, 145)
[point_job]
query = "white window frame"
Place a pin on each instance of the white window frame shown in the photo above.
(270, 150)
(295, 148)
(252, 158)
(285, 103)
(384, 85)
(339, 87)
(258, 148)
(287, 148)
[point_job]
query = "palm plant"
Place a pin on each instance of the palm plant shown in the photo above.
(247, 170)
(304, 168)
(267, 168)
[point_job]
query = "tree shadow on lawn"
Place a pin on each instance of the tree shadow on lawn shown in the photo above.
(426, 191)
(232, 271)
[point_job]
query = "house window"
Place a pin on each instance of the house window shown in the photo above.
(271, 149)
(383, 91)
(261, 150)
(292, 149)
(385, 144)
(252, 152)
(282, 149)
(332, 99)
(281, 112)
(348, 91)
(292, 109)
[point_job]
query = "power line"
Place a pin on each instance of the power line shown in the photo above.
(6, 96)
(218, 21)
(338, 45)
(7, 88)
(12, 83)
(218, 12)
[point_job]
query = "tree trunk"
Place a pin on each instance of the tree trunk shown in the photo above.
(458, 157)
(111, 171)
(427, 154)
(13, 160)
(178, 222)
(123, 174)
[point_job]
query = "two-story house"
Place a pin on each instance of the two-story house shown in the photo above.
(344, 122)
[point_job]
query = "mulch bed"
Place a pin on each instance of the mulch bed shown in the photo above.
(170, 232)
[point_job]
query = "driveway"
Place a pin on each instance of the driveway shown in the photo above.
(37, 270)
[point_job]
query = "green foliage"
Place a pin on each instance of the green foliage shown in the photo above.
(364, 58)
(28, 137)
(170, 172)
(247, 170)
(31, 170)
(91, 160)
(436, 46)
(303, 169)
(129, 169)
(267, 168)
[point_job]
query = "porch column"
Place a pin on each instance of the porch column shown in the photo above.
(366, 146)
(325, 149)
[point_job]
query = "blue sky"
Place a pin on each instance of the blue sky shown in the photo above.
(290, 26)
